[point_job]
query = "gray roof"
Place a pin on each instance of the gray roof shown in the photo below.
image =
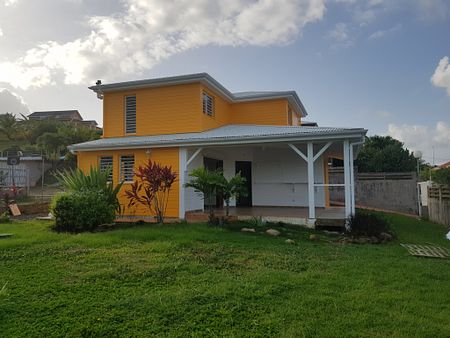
(210, 82)
(56, 114)
(226, 135)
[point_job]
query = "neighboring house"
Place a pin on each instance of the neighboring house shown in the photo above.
(64, 116)
(444, 166)
(192, 121)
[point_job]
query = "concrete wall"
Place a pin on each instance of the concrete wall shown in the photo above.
(388, 191)
(279, 175)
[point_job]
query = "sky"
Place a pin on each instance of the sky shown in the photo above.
(378, 64)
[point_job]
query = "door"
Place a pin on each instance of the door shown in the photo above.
(213, 164)
(245, 168)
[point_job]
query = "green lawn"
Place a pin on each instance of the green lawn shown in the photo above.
(194, 280)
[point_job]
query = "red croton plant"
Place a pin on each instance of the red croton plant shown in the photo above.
(152, 188)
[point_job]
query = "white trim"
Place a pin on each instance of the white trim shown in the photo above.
(223, 142)
(194, 155)
(352, 183)
(182, 153)
(347, 179)
(298, 151)
(311, 202)
(321, 151)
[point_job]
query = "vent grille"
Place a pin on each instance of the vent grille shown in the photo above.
(106, 162)
(208, 104)
(127, 168)
(130, 114)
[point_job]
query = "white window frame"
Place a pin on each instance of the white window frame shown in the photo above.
(125, 175)
(129, 120)
(208, 105)
(103, 167)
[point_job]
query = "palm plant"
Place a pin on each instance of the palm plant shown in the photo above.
(207, 183)
(96, 180)
(232, 188)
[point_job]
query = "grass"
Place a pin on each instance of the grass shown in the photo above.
(195, 280)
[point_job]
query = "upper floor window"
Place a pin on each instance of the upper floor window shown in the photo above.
(106, 162)
(130, 114)
(127, 168)
(208, 104)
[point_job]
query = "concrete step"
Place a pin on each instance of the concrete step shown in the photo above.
(330, 224)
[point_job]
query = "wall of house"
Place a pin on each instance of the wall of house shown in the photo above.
(266, 112)
(159, 110)
(279, 176)
(178, 109)
(164, 156)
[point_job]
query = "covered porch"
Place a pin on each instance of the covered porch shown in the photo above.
(287, 179)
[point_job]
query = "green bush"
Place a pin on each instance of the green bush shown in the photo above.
(4, 217)
(82, 211)
(366, 223)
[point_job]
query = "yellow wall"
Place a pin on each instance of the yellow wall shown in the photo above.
(178, 109)
(164, 156)
(267, 112)
(161, 110)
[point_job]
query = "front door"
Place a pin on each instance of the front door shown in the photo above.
(213, 164)
(245, 168)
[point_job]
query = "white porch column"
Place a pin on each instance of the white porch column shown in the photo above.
(311, 202)
(352, 181)
(347, 179)
(182, 180)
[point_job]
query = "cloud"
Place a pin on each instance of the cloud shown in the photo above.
(441, 76)
(12, 103)
(10, 2)
(384, 114)
(340, 34)
(424, 138)
(148, 32)
(433, 10)
(382, 33)
(1, 32)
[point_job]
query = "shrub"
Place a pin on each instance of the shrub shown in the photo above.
(82, 211)
(4, 217)
(366, 223)
(76, 181)
(152, 188)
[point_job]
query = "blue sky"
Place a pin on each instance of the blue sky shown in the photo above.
(366, 63)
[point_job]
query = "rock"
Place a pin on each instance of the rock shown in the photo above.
(313, 237)
(385, 237)
(272, 232)
(290, 241)
(248, 230)
(374, 240)
(334, 233)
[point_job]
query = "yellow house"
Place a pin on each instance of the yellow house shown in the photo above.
(192, 120)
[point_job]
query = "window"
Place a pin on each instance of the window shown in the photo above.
(208, 104)
(105, 163)
(130, 114)
(127, 168)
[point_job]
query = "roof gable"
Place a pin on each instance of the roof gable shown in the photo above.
(208, 81)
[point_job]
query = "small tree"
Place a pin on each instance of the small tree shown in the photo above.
(206, 182)
(152, 188)
(232, 188)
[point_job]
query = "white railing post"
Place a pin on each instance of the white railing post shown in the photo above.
(311, 202)
(347, 179)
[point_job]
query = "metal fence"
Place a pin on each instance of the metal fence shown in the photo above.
(11, 176)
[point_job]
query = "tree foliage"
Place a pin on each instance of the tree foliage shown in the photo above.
(385, 154)
(441, 176)
(9, 126)
(232, 188)
(206, 183)
(152, 188)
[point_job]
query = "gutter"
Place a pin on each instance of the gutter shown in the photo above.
(223, 142)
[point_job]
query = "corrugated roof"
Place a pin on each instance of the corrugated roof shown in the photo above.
(230, 134)
(67, 113)
(208, 81)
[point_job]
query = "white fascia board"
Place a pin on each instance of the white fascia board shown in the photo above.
(249, 141)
